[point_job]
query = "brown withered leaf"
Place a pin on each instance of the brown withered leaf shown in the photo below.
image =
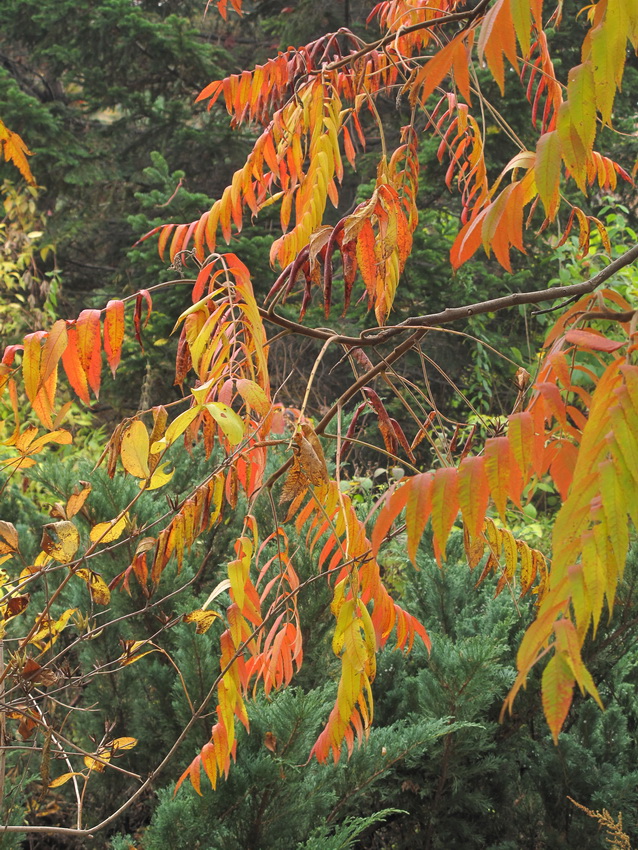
(27, 718)
(474, 548)
(522, 379)
(8, 538)
(60, 540)
(270, 742)
(15, 605)
(295, 484)
(58, 511)
(37, 675)
(314, 465)
(308, 465)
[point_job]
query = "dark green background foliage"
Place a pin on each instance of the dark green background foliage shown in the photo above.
(438, 757)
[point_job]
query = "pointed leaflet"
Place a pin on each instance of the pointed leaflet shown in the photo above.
(497, 38)
(497, 468)
(445, 507)
(418, 508)
(393, 504)
(557, 688)
(254, 396)
(574, 154)
(229, 422)
(14, 150)
(473, 493)
(73, 368)
(452, 56)
(366, 258)
(36, 362)
(592, 340)
(142, 297)
(31, 363)
(521, 439)
(580, 94)
(134, 450)
(547, 172)
(113, 333)
(89, 347)
(56, 342)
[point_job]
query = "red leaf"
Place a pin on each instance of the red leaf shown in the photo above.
(593, 341)
(366, 258)
(142, 296)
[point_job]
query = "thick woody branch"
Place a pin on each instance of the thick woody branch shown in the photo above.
(378, 336)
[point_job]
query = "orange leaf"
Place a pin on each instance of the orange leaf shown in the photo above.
(497, 468)
(142, 296)
(113, 333)
(366, 258)
(394, 503)
(468, 240)
(73, 368)
(88, 346)
(445, 507)
(14, 150)
(31, 360)
(438, 67)
(417, 512)
(496, 38)
(54, 346)
(474, 493)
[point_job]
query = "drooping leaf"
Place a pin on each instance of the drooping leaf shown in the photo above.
(113, 333)
(134, 449)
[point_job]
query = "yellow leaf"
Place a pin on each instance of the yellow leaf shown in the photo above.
(159, 478)
(131, 654)
(134, 450)
(60, 780)
(558, 687)
(60, 540)
(107, 532)
(93, 764)
(98, 588)
(547, 172)
(230, 423)
(203, 620)
(49, 630)
(254, 396)
(123, 743)
(220, 588)
(177, 427)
